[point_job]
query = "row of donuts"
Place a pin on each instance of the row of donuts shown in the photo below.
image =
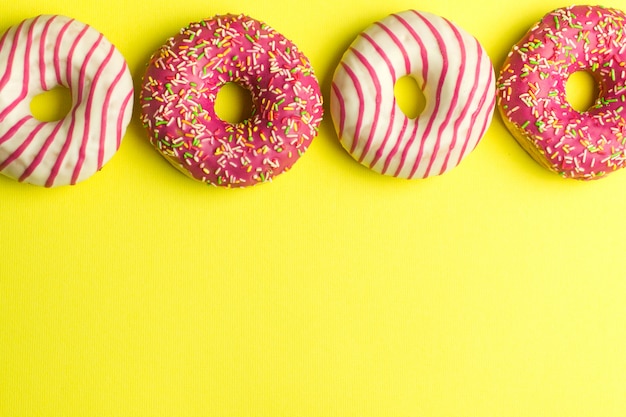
(183, 77)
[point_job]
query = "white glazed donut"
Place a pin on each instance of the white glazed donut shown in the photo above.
(454, 73)
(49, 51)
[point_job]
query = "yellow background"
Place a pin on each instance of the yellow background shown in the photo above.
(498, 289)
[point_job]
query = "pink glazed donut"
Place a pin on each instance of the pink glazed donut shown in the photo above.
(532, 99)
(181, 84)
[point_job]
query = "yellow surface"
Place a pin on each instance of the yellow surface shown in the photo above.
(498, 289)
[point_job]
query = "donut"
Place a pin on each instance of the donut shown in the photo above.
(180, 86)
(450, 67)
(38, 55)
(532, 99)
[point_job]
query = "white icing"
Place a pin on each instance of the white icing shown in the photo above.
(428, 145)
(113, 81)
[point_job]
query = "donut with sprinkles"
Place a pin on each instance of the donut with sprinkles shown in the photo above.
(532, 99)
(180, 86)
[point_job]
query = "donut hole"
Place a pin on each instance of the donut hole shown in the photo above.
(233, 103)
(409, 96)
(51, 105)
(581, 90)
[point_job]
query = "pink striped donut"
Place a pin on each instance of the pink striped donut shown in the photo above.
(49, 51)
(451, 68)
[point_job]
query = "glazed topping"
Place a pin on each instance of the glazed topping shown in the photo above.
(38, 55)
(181, 85)
(531, 90)
(450, 67)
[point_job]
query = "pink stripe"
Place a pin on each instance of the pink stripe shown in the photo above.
(40, 155)
(104, 118)
(359, 92)
(486, 120)
(418, 39)
(385, 57)
(395, 148)
(13, 130)
(120, 118)
(57, 46)
(465, 110)
(42, 52)
(342, 108)
(376, 81)
(81, 153)
(26, 72)
(382, 54)
(4, 38)
(452, 106)
(70, 134)
(424, 61)
(16, 154)
(70, 58)
(9, 63)
(440, 83)
(479, 108)
(394, 38)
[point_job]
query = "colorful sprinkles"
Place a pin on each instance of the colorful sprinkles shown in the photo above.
(181, 84)
(533, 102)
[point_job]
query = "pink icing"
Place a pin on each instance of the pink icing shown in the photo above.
(532, 98)
(182, 81)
